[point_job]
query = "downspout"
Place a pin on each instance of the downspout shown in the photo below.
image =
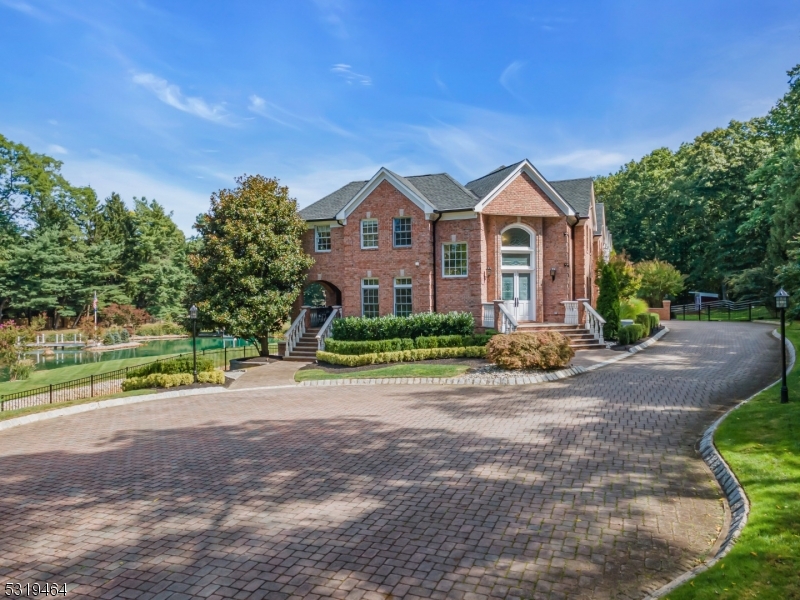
(433, 247)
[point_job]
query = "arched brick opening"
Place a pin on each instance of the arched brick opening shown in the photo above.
(330, 294)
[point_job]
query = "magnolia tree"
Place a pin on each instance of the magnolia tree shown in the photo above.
(250, 264)
(14, 341)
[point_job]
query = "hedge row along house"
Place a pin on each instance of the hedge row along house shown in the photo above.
(514, 249)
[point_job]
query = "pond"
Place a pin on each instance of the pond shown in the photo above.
(155, 348)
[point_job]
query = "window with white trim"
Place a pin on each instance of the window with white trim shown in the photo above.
(322, 238)
(454, 259)
(369, 233)
(402, 296)
(369, 298)
(402, 232)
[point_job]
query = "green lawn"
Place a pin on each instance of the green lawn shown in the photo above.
(46, 377)
(21, 412)
(404, 370)
(761, 443)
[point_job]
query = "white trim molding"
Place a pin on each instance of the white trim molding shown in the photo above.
(526, 167)
(404, 188)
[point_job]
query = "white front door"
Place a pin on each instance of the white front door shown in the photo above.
(517, 294)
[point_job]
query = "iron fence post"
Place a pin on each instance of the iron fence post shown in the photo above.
(708, 309)
(225, 356)
(91, 388)
(729, 312)
(750, 311)
(51, 393)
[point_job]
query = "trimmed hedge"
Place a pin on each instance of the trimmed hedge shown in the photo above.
(644, 321)
(379, 358)
(412, 326)
(452, 341)
(173, 366)
(369, 346)
(630, 334)
(655, 320)
(540, 350)
(164, 380)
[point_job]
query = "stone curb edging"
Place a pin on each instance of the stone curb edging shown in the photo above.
(735, 495)
(89, 406)
(490, 381)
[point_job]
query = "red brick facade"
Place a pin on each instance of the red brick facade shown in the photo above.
(564, 253)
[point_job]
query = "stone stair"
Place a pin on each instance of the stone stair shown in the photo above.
(579, 337)
(306, 348)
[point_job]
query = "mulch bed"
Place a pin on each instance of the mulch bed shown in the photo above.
(473, 363)
(627, 347)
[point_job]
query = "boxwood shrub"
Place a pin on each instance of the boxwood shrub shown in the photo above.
(412, 326)
(630, 334)
(644, 321)
(165, 380)
(378, 358)
(655, 320)
(368, 346)
(182, 364)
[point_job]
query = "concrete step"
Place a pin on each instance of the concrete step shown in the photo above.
(299, 359)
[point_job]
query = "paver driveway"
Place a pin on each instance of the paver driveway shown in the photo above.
(587, 487)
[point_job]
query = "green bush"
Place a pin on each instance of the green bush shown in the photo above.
(413, 326)
(630, 307)
(124, 336)
(540, 350)
(168, 380)
(153, 329)
(368, 347)
(362, 360)
(630, 334)
(655, 320)
(182, 364)
(644, 321)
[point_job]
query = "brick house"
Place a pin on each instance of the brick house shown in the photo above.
(396, 245)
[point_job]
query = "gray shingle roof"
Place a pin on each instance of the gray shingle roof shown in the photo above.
(332, 203)
(577, 192)
(600, 213)
(445, 193)
(483, 185)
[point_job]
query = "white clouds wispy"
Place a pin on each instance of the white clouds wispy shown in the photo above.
(592, 160)
(25, 8)
(350, 76)
(171, 95)
(273, 112)
(509, 74)
(56, 149)
(332, 14)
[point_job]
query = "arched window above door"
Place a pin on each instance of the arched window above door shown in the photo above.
(516, 237)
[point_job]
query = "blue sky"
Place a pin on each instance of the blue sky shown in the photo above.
(172, 100)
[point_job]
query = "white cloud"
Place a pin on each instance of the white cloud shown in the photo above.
(346, 71)
(25, 8)
(509, 74)
(592, 160)
(171, 94)
(56, 149)
(331, 12)
(280, 115)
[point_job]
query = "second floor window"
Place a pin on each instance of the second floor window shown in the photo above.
(454, 259)
(369, 233)
(322, 238)
(402, 232)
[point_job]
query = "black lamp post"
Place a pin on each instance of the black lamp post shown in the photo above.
(193, 317)
(782, 301)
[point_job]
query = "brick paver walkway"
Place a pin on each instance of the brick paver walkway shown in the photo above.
(582, 488)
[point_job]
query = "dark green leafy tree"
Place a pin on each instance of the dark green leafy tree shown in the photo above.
(250, 264)
(659, 280)
(608, 300)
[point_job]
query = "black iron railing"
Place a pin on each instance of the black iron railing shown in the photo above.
(722, 310)
(110, 382)
(319, 314)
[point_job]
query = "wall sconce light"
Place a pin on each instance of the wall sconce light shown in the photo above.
(553, 273)
(488, 271)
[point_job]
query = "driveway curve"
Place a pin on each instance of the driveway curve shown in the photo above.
(583, 488)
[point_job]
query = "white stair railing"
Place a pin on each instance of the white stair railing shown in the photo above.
(506, 323)
(594, 322)
(327, 328)
(295, 332)
(488, 315)
(570, 312)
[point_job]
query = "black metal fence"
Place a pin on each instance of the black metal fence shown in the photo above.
(104, 384)
(722, 310)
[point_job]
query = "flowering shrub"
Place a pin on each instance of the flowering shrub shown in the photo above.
(123, 315)
(541, 350)
(14, 340)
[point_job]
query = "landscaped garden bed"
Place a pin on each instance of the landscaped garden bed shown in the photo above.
(172, 373)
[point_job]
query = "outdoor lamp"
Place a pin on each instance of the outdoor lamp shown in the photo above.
(193, 317)
(553, 273)
(782, 301)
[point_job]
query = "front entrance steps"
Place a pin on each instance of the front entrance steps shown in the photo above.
(578, 336)
(306, 348)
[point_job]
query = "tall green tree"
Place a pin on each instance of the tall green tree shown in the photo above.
(608, 300)
(250, 264)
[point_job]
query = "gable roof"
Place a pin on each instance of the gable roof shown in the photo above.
(443, 193)
(600, 223)
(578, 192)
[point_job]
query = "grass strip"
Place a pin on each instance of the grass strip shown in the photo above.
(404, 370)
(761, 443)
(21, 412)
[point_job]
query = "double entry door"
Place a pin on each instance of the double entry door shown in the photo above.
(517, 294)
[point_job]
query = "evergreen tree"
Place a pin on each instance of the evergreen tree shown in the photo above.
(608, 300)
